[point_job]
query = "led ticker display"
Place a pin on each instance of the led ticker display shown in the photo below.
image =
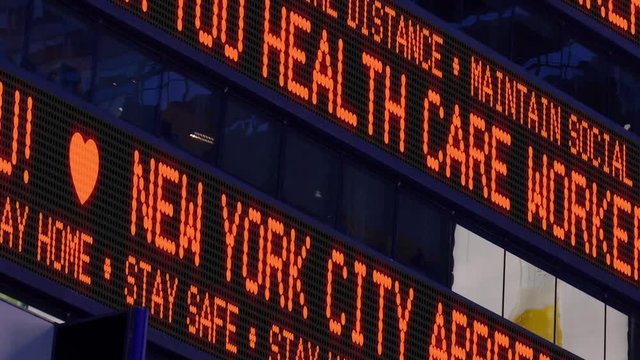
(99, 211)
(622, 16)
(435, 103)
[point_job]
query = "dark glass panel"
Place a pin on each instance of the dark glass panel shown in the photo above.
(189, 113)
(13, 16)
(623, 95)
(128, 83)
(562, 55)
(489, 21)
(61, 47)
(251, 143)
(309, 176)
(366, 207)
(422, 236)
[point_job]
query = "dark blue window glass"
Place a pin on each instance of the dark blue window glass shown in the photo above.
(623, 97)
(366, 207)
(251, 143)
(61, 47)
(489, 21)
(127, 83)
(564, 55)
(188, 114)
(449, 10)
(13, 16)
(422, 236)
(309, 176)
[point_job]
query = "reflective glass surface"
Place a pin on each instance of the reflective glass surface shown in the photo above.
(421, 236)
(13, 17)
(309, 176)
(251, 143)
(366, 207)
(128, 83)
(478, 269)
(537, 300)
(61, 47)
(556, 48)
(189, 112)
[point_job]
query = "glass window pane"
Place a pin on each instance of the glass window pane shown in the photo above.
(188, 114)
(617, 335)
(251, 143)
(309, 174)
(581, 322)
(61, 47)
(529, 297)
(624, 93)
(13, 15)
(478, 269)
(574, 59)
(489, 21)
(127, 83)
(366, 207)
(535, 32)
(422, 236)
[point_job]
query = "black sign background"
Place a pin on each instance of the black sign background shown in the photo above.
(106, 218)
(453, 90)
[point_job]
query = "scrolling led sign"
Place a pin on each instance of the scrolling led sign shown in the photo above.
(433, 102)
(113, 218)
(622, 16)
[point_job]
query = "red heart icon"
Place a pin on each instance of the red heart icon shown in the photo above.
(84, 161)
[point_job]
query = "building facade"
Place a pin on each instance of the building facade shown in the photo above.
(474, 161)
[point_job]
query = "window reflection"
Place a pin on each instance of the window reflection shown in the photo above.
(489, 21)
(127, 83)
(13, 15)
(478, 269)
(582, 321)
(617, 335)
(556, 48)
(61, 47)
(251, 143)
(530, 298)
(536, 37)
(624, 95)
(565, 55)
(422, 236)
(366, 207)
(570, 61)
(309, 175)
(188, 114)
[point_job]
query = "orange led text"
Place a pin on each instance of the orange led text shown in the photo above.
(149, 205)
(14, 221)
(64, 249)
(270, 252)
(150, 287)
(387, 290)
(467, 338)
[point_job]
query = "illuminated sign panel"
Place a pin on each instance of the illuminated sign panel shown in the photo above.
(109, 216)
(622, 16)
(433, 102)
